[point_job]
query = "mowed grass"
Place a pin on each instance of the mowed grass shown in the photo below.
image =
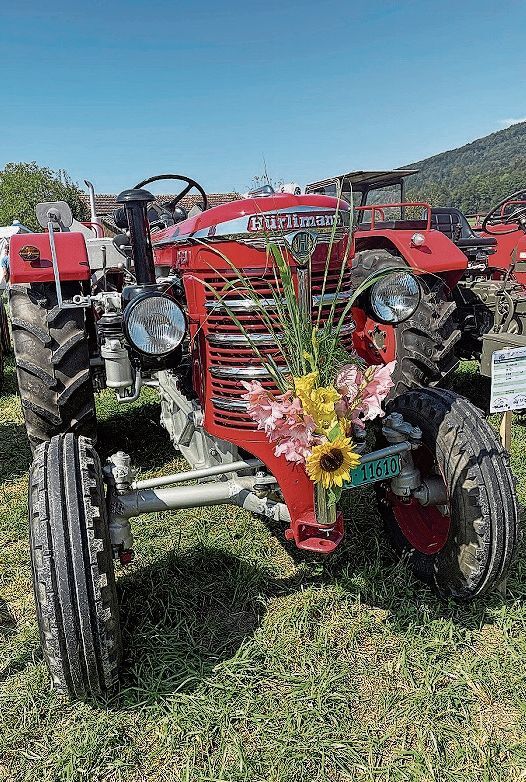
(247, 661)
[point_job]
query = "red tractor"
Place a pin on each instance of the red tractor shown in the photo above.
(503, 224)
(152, 306)
(473, 302)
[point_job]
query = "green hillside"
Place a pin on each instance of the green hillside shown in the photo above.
(475, 176)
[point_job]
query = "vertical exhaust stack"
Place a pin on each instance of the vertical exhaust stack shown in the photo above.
(135, 203)
(93, 209)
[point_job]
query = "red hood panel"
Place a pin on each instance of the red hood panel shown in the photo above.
(255, 214)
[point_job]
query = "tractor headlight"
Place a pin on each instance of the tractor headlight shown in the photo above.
(155, 324)
(395, 297)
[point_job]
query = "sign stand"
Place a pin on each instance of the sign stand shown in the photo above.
(505, 429)
(505, 436)
(508, 393)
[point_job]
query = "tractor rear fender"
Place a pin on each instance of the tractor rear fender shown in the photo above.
(437, 255)
(30, 258)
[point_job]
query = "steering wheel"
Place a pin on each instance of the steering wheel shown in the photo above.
(190, 183)
(516, 217)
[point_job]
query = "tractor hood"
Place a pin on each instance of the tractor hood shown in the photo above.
(279, 214)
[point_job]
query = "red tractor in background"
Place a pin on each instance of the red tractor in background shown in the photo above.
(152, 306)
(472, 304)
(502, 224)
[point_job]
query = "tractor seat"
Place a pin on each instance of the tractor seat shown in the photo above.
(454, 225)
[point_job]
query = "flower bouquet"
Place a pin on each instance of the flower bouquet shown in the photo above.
(312, 424)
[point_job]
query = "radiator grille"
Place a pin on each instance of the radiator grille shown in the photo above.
(231, 358)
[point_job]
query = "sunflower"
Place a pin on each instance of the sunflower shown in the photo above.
(330, 463)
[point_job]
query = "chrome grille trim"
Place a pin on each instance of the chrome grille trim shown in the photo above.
(236, 405)
(249, 305)
(244, 372)
(223, 340)
(236, 305)
(239, 340)
(328, 298)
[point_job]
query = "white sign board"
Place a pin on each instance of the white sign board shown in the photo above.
(508, 380)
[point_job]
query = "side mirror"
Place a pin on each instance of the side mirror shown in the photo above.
(58, 212)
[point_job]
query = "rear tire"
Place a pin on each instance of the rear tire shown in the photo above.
(424, 345)
(74, 582)
(52, 362)
(480, 541)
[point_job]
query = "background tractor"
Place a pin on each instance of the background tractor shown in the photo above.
(502, 224)
(473, 302)
(153, 308)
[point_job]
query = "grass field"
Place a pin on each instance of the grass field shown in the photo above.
(246, 661)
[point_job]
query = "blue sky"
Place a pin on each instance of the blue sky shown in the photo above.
(127, 89)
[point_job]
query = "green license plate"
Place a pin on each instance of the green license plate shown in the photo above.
(374, 470)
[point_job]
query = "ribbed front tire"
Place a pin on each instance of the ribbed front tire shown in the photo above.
(468, 550)
(74, 582)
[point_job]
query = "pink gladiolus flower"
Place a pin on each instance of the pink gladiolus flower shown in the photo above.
(259, 402)
(341, 407)
(382, 382)
(293, 450)
(283, 420)
(361, 399)
(376, 390)
(348, 381)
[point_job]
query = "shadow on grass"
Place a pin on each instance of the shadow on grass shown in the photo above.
(15, 453)
(26, 652)
(184, 614)
(468, 382)
(366, 567)
(7, 620)
(137, 431)
(10, 385)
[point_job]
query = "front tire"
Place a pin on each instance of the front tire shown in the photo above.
(465, 549)
(52, 363)
(73, 576)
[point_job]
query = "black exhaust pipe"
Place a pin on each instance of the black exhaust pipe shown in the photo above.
(136, 206)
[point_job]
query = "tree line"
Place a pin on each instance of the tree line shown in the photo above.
(475, 176)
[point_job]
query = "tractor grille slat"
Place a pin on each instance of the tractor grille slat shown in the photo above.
(231, 357)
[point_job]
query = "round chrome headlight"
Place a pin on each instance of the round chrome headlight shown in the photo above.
(395, 297)
(155, 324)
